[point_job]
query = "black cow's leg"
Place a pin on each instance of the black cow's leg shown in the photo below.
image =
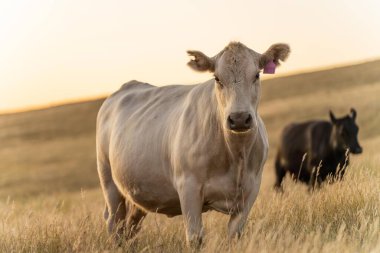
(315, 164)
(315, 179)
(280, 174)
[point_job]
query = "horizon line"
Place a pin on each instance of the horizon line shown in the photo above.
(101, 96)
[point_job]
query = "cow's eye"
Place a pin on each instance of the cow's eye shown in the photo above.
(219, 82)
(257, 76)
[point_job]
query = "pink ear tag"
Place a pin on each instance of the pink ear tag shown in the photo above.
(270, 68)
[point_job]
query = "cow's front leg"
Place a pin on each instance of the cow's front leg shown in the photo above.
(190, 194)
(239, 218)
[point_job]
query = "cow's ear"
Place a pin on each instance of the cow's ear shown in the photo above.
(332, 117)
(353, 113)
(276, 53)
(201, 62)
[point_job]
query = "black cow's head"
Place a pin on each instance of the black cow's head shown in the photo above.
(346, 132)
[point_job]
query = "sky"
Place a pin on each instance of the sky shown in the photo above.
(57, 51)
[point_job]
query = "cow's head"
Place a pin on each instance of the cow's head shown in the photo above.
(237, 81)
(345, 132)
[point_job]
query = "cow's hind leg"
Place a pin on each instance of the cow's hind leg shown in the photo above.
(280, 174)
(115, 210)
(134, 219)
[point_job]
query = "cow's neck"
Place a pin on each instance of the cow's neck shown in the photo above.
(235, 147)
(334, 145)
(238, 148)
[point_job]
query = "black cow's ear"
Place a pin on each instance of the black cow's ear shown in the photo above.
(332, 117)
(353, 114)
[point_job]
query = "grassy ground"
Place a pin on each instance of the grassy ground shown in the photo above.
(50, 199)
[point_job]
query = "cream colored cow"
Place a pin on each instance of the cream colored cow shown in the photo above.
(186, 149)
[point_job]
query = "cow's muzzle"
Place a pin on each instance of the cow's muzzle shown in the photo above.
(357, 150)
(239, 121)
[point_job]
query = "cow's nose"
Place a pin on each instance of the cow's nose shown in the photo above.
(240, 121)
(358, 150)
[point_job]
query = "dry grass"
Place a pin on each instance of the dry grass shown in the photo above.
(343, 217)
(48, 156)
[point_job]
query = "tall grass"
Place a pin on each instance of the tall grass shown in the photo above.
(341, 217)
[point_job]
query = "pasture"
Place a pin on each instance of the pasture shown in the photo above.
(50, 198)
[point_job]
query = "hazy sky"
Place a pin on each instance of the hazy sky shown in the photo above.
(57, 50)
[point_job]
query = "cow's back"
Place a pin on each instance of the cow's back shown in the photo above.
(136, 102)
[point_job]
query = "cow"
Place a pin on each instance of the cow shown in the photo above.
(186, 149)
(314, 150)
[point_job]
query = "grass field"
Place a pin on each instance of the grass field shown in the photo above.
(50, 200)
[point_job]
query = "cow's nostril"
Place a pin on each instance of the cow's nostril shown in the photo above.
(248, 120)
(231, 122)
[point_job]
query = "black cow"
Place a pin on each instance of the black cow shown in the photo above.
(310, 151)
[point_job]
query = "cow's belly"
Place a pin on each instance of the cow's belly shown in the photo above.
(150, 188)
(226, 206)
(156, 193)
(222, 194)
